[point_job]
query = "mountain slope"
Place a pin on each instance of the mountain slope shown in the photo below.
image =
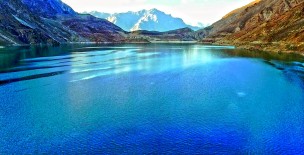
(264, 24)
(95, 29)
(49, 8)
(51, 21)
(151, 20)
(19, 25)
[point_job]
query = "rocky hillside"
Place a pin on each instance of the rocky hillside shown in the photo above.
(51, 21)
(276, 25)
(20, 25)
(95, 29)
(150, 20)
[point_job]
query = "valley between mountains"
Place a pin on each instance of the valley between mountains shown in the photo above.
(267, 25)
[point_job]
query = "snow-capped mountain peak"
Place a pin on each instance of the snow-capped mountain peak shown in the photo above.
(152, 20)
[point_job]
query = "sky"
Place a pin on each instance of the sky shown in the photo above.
(191, 11)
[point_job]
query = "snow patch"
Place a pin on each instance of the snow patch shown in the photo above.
(24, 22)
(151, 20)
(8, 39)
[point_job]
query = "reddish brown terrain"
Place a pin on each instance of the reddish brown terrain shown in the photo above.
(271, 25)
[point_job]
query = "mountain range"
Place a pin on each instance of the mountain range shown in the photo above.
(150, 20)
(271, 25)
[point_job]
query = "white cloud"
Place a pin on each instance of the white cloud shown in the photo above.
(192, 11)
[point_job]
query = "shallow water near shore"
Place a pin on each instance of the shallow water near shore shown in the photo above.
(150, 98)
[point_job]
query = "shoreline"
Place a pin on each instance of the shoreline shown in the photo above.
(174, 42)
(276, 47)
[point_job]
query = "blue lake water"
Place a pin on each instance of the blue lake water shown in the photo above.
(150, 99)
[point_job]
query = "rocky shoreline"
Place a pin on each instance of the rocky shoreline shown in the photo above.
(277, 47)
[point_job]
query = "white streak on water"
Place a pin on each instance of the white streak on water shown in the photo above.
(88, 70)
(241, 94)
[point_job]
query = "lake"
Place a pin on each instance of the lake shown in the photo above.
(150, 99)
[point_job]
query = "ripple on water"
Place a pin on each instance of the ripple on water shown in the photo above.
(148, 99)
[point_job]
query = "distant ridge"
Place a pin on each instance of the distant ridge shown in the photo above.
(151, 20)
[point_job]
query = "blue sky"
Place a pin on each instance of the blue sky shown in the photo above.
(191, 11)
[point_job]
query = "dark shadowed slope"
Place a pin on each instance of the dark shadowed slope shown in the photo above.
(19, 25)
(95, 29)
(49, 8)
(51, 21)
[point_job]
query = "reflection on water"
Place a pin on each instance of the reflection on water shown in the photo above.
(150, 99)
(85, 63)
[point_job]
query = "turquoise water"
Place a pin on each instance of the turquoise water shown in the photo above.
(155, 98)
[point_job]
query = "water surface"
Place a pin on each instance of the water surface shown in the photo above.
(150, 98)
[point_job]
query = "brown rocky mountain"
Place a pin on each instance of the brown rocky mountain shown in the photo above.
(20, 25)
(94, 29)
(276, 25)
